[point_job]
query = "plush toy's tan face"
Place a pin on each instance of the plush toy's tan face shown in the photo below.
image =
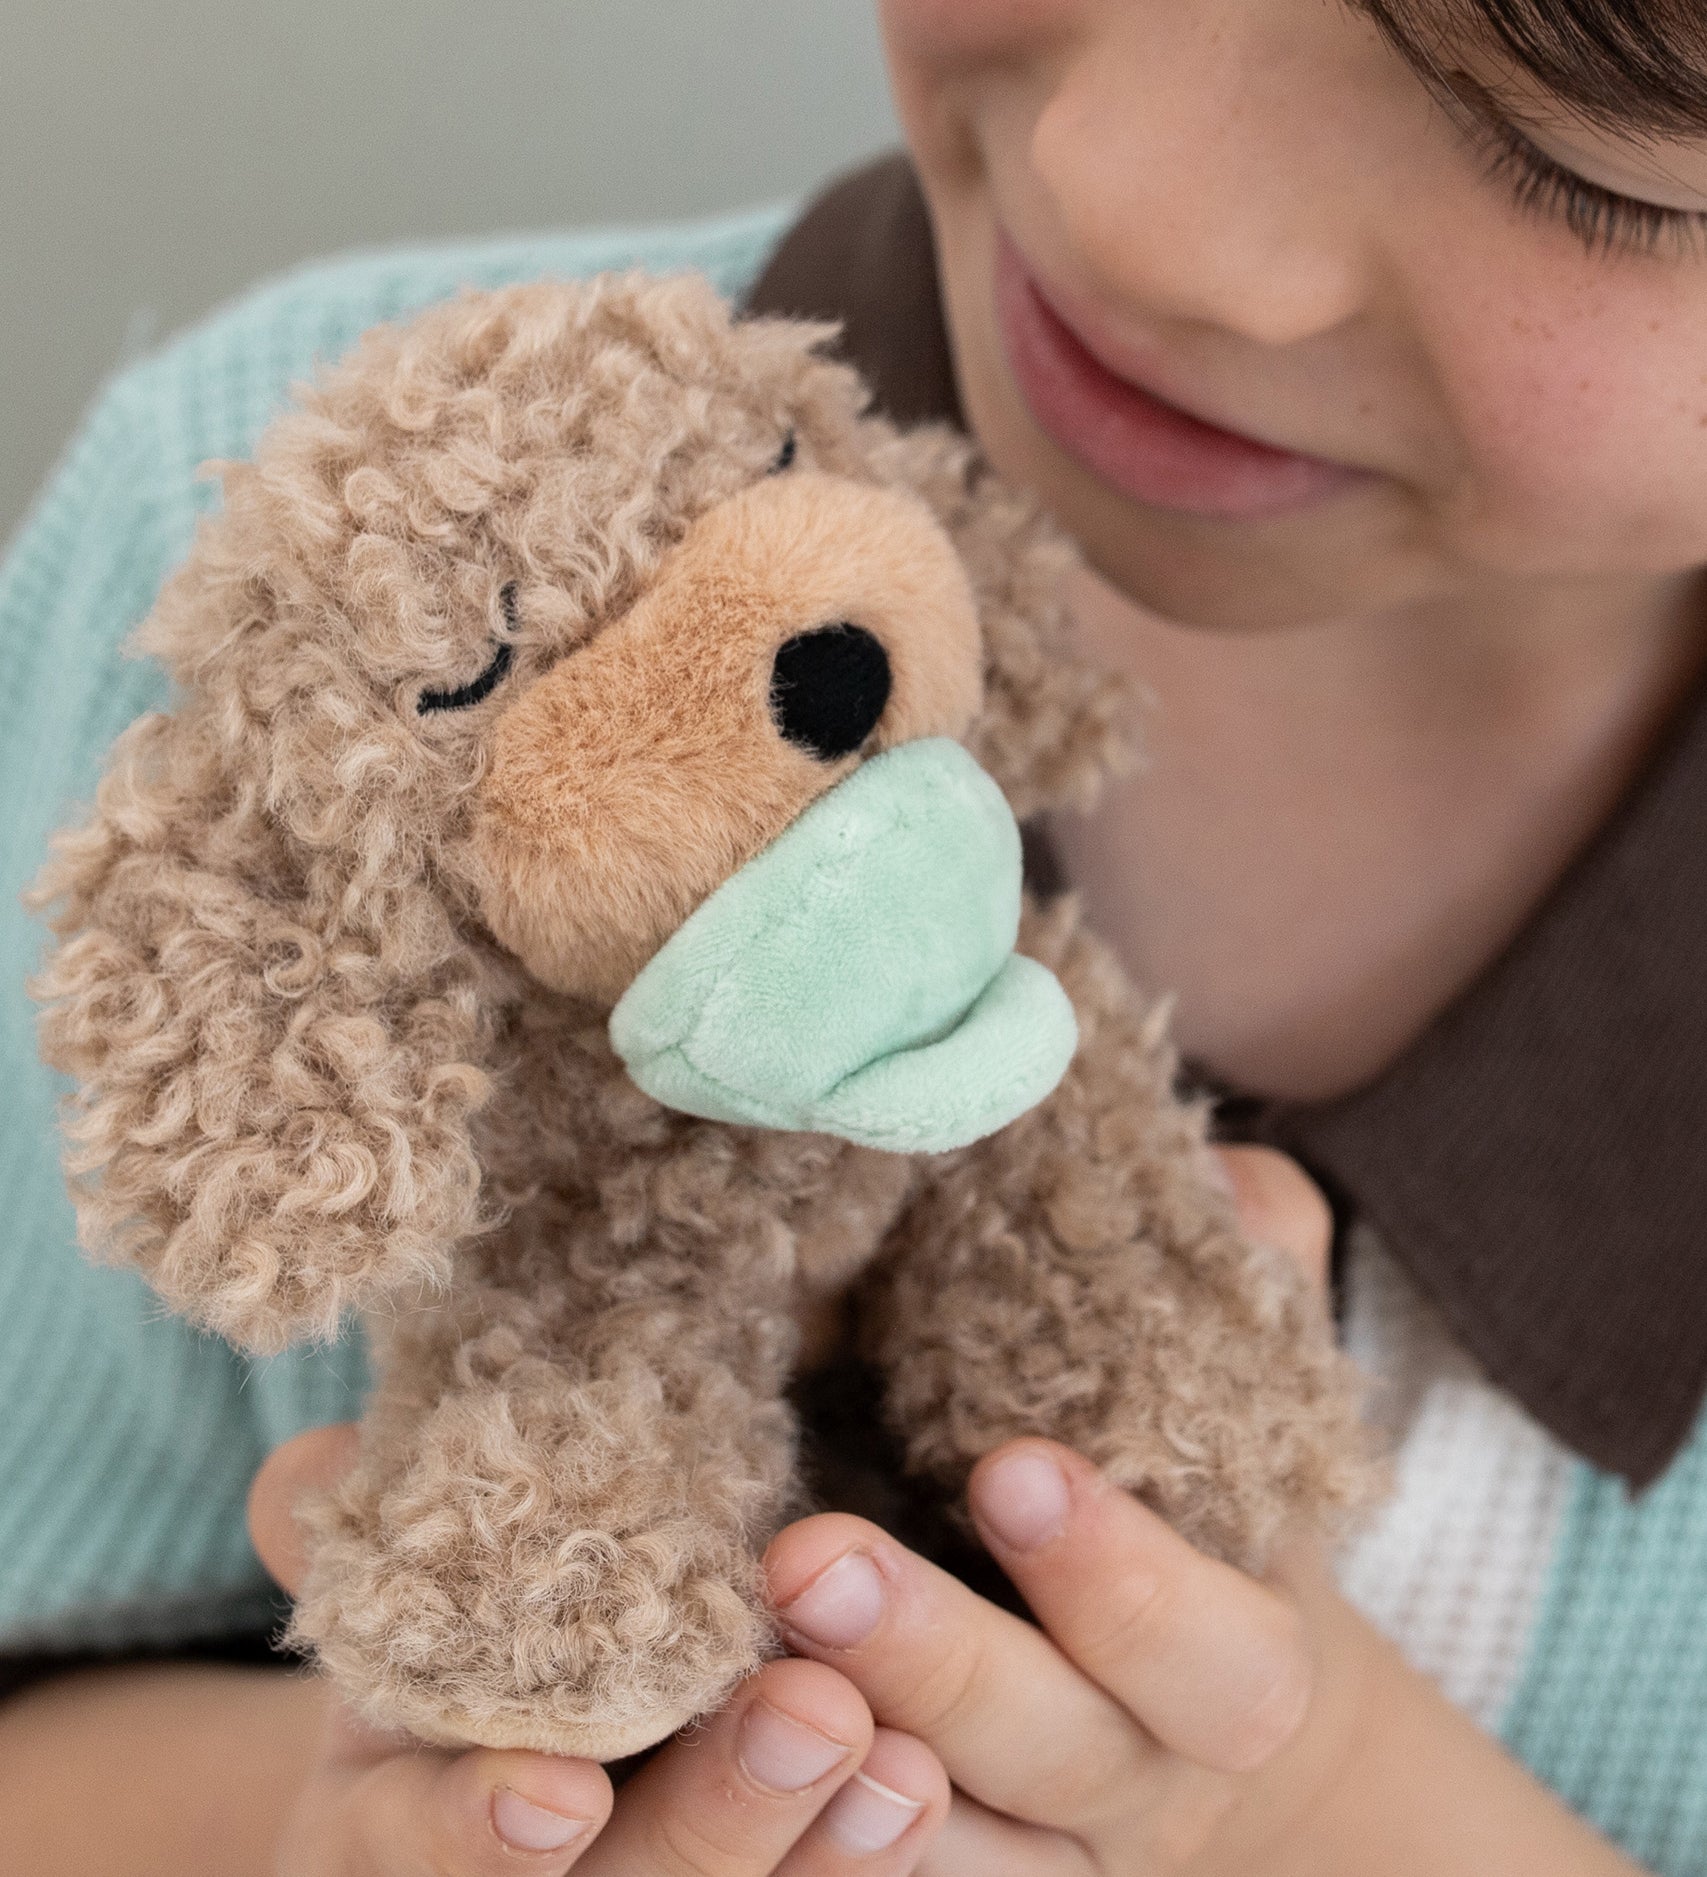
(800, 625)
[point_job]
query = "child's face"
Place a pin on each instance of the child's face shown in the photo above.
(1255, 208)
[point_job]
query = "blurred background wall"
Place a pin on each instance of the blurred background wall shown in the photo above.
(159, 155)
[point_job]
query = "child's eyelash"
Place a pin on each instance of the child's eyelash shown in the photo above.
(1604, 221)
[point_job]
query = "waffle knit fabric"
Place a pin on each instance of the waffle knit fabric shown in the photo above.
(1567, 1617)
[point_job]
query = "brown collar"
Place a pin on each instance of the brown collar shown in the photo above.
(1538, 1157)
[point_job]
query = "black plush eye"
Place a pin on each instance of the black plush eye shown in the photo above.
(784, 456)
(488, 681)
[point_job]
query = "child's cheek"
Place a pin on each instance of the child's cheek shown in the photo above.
(1580, 399)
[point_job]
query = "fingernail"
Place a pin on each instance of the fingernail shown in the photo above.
(783, 1753)
(865, 1817)
(525, 1826)
(841, 1606)
(1023, 1499)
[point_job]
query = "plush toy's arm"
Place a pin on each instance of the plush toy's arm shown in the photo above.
(1079, 1275)
(569, 1468)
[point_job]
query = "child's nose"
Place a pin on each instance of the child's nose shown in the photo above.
(1185, 187)
(828, 689)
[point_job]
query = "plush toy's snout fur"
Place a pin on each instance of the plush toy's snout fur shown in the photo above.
(482, 687)
(640, 773)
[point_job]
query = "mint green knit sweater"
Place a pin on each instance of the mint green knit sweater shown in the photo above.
(127, 1441)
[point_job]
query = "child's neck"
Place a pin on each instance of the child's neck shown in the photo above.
(1337, 827)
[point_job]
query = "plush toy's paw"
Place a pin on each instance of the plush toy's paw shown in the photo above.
(1228, 1410)
(1094, 1249)
(858, 977)
(576, 1597)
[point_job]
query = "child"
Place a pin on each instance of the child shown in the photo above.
(1360, 348)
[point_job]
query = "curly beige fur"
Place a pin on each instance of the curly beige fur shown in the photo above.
(327, 1057)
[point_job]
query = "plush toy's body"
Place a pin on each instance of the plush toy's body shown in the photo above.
(547, 618)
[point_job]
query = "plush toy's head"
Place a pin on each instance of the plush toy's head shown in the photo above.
(540, 618)
(802, 622)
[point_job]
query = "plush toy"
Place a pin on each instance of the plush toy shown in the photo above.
(569, 917)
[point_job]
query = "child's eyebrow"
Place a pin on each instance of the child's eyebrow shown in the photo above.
(1634, 70)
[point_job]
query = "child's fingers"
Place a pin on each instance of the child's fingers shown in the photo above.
(730, 1798)
(976, 1842)
(1280, 1205)
(479, 1814)
(1212, 1663)
(422, 1813)
(383, 1805)
(1016, 1724)
(882, 1821)
(312, 1459)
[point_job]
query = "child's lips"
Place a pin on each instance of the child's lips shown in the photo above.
(1151, 450)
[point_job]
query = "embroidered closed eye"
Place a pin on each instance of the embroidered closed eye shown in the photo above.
(465, 695)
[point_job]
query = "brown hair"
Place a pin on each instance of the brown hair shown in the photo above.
(1628, 65)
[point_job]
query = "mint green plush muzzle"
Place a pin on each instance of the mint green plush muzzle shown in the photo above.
(858, 976)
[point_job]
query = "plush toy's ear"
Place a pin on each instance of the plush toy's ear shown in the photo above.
(1053, 727)
(274, 1045)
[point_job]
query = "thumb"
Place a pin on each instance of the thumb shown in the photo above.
(1280, 1205)
(309, 1461)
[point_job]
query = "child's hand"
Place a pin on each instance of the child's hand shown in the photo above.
(1128, 1734)
(767, 1786)
(1172, 1715)
(1027, 1732)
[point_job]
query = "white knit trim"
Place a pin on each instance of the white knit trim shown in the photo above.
(1453, 1567)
